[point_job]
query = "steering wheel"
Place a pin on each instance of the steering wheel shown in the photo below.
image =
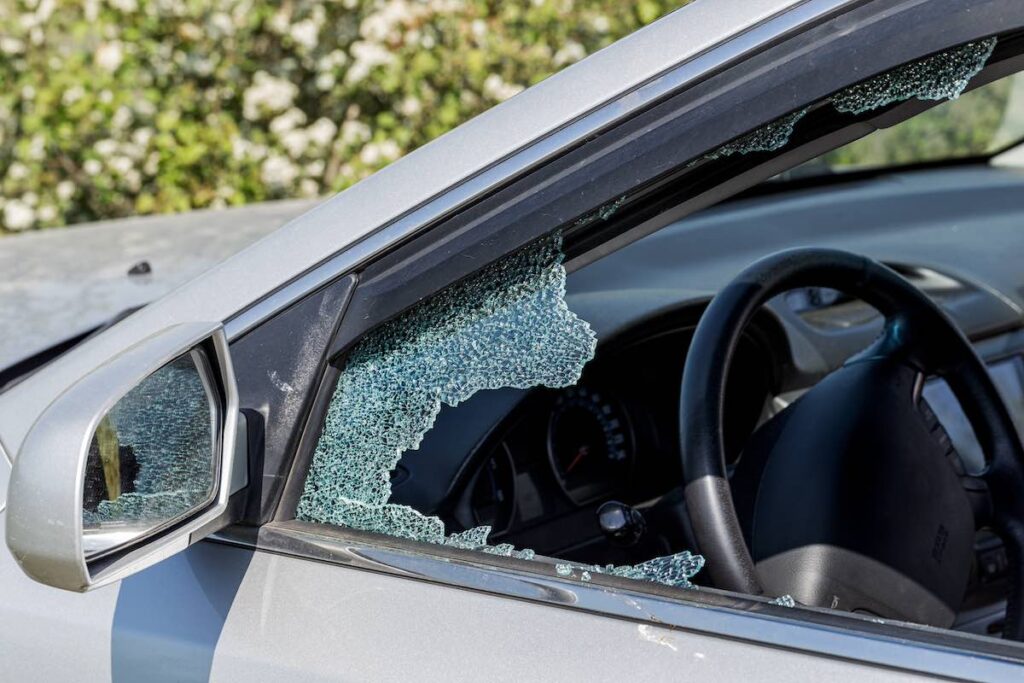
(853, 496)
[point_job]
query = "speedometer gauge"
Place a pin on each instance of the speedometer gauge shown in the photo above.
(590, 443)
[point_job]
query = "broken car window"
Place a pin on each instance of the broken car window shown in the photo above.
(510, 326)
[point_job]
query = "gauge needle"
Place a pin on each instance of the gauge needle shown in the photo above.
(580, 454)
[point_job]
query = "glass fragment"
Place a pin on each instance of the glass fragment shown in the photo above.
(508, 326)
(784, 601)
(940, 77)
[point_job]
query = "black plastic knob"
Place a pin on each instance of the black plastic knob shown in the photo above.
(621, 524)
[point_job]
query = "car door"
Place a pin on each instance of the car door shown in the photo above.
(272, 598)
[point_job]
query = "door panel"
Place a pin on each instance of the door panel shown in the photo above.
(299, 620)
(49, 634)
(169, 617)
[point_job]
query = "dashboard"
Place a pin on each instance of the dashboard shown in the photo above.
(540, 473)
(536, 465)
(611, 437)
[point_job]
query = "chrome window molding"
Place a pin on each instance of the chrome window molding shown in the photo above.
(625, 105)
(889, 644)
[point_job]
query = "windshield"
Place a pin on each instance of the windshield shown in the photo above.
(978, 124)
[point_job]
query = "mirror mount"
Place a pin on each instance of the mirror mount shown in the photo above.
(46, 530)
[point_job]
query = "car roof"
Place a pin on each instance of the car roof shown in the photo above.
(59, 284)
(432, 180)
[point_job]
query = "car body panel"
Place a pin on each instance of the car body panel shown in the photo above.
(435, 633)
(61, 283)
(53, 635)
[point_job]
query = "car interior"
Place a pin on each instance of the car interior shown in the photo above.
(832, 400)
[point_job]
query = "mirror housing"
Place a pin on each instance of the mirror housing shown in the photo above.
(81, 511)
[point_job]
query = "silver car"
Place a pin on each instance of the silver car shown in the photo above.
(699, 360)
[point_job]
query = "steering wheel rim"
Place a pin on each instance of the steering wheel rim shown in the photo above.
(913, 323)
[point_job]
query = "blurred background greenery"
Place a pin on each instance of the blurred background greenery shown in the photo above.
(111, 108)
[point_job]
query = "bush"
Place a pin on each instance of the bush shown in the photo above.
(118, 107)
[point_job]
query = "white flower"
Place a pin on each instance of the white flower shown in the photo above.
(125, 6)
(142, 136)
(497, 89)
(309, 187)
(278, 171)
(305, 33)
(133, 179)
(18, 215)
(145, 108)
(269, 94)
(92, 167)
(65, 190)
(36, 148)
(44, 10)
(479, 29)
(47, 212)
(367, 56)
(315, 168)
(376, 152)
(11, 46)
(121, 164)
(332, 60)
(325, 81)
(222, 23)
(105, 147)
(380, 26)
(279, 22)
(390, 150)
(17, 171)
(571, 52)
(121, 118)
(72, 95)
(295, 142)
(370, 154)
(287, 121)
(601, 23)
(242, 149)
(322, 132)
(410, 106)
(109, 56)
(354, 132)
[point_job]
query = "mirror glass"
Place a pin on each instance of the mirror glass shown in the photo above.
(154, 457)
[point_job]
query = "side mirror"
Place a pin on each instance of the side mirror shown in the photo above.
(131, 464)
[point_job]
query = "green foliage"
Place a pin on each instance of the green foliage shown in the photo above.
(118, 107)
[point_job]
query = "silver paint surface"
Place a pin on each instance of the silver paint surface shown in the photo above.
(372, 627)
(56, 284)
